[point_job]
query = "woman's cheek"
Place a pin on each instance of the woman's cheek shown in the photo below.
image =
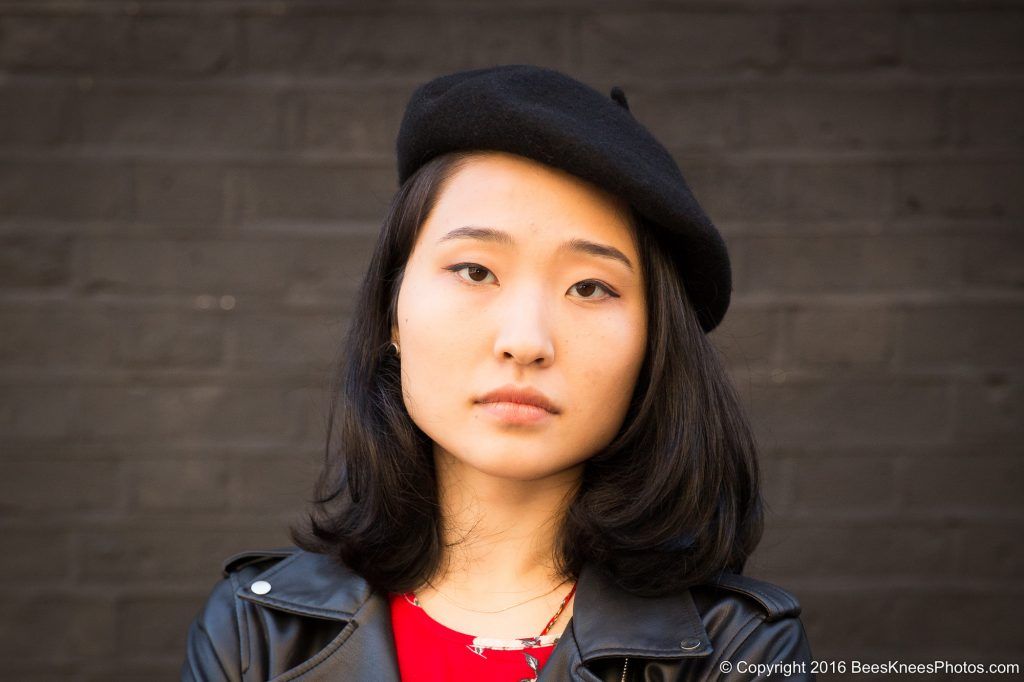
(433, 313)
(612, 364)
(440, 337)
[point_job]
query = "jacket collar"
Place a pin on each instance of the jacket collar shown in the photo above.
(609, 621)
(311, 585)
(606, 620)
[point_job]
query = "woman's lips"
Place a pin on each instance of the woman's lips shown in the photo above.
(516, 413)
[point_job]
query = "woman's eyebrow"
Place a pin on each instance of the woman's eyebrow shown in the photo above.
(505, 239)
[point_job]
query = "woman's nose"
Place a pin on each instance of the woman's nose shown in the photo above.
(525, 331)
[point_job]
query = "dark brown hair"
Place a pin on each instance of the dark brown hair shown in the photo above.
(671, 501)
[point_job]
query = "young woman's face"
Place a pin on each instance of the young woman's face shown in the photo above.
(519, 277)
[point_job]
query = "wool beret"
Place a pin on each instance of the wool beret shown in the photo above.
(553, 118)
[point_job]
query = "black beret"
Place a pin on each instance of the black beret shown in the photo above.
(550, 117)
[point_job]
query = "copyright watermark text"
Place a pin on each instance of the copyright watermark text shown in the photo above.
(785, 669)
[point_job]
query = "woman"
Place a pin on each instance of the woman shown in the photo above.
(538, 468)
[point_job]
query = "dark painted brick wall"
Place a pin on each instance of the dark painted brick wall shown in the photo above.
(189, 192)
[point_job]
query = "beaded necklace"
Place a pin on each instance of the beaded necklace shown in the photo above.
(543, 639)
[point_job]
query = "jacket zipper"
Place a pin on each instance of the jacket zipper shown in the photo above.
(624, 666)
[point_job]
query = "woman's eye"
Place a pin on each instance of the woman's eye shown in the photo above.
(478, 274)
(475, 271)
(586, 287)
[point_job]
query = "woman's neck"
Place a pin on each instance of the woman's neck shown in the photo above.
(500, 534)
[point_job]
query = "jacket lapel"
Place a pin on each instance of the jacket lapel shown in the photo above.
(314, 585)
(607, 621)
(366, 653)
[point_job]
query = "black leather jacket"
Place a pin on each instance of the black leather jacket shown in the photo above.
(317, 620)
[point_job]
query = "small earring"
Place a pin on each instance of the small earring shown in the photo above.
(398, 351)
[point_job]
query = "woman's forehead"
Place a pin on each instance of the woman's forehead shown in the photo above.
(528, 200)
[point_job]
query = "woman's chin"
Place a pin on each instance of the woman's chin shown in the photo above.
(514, 465)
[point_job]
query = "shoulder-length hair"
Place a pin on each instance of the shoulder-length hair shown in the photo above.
(670, 502)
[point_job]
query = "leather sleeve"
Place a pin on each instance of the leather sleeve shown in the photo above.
(779, 649)
(213, 649)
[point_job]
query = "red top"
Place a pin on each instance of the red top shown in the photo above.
(429, 651)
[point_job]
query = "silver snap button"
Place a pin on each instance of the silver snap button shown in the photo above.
(689, 644)
(260, 587)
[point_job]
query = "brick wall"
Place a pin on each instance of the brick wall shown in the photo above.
(189, 193)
